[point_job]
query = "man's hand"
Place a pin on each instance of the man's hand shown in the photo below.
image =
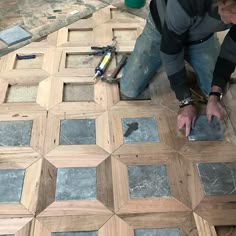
(214, 108)
(186, 118)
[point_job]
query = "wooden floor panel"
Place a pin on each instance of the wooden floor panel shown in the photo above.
(76, 156)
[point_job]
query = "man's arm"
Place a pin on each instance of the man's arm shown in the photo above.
(226, 61)
(174, 36)
(224, 67)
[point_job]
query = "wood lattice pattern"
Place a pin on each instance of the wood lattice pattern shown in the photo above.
(78, 160)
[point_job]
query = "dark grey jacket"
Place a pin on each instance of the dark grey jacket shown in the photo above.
(182, 22)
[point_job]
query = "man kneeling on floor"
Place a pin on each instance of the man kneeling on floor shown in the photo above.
(179, 30)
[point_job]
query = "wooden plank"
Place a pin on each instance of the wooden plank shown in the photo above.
(20, 159)
(3, 90)
(40, 229)
(27, 229)
(116, 227)
(50, 92)
(104, 184)
(120, 183)
(13, 225)
(8, 210)
(204, 229)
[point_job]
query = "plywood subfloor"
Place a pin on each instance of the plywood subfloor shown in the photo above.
(81, 160)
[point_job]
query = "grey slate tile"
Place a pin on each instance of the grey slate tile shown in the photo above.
(218, 178)
(148, 181)
(11, 182)
(203, 131)
(75, 132)
(14, 35)
(137, 130)
(157, 232)
(15, 133)
(76, 184)
(89, 233)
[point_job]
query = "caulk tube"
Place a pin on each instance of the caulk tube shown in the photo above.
(100, 69)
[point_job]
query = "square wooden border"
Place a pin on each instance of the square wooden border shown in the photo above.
(216, 210)
(98, 18)
(78, 214)
(169, 139)
(42, 99)
(22, 75)
(37, 134)
(55, 87)
(28, 203)
(100, 149)
(179, 201)
(17, 226)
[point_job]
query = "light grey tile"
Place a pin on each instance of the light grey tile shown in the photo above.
(89, 233)
(140, 130)
(157, 232)
(203, 131)
(14, 35)
(78, 92)
(218, 178)
(76, 184)
(75, 132)
(18, 93)
(11, 182)
(15, 133)
(148, 181)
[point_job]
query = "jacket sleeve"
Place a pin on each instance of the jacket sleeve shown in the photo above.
(226, 61)
(174, 36)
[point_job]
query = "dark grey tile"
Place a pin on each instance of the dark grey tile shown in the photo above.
(157, 232)
(203, 131)
(76, 184)
(11, 182)
(74, 132)
(14, 35)
(140, 130)
(78, 92)
(218, 178)
(148, 181)
(89, 233)
(6, 234)
(15, 133)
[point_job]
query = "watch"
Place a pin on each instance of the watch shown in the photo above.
(217, 94)
(186, 102)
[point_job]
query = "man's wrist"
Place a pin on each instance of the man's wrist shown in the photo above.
(217, 89)
(186, 102)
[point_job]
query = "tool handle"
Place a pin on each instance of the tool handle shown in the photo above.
(119, 66)
(25, 57)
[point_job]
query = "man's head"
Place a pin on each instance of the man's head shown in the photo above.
(227, 11)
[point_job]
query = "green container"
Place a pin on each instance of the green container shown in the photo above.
(135, 3)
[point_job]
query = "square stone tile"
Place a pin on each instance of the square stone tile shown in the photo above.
(75, 132)
(22, 93)
(148, 181)
(78, 92)
(14, 35)
(157, 232)
(76, 184)
(137, 130)
(89, 233)
(218, 178)
(203, 131)
(11, 182)
(15, 133)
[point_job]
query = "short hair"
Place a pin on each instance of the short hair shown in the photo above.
(231, 7)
